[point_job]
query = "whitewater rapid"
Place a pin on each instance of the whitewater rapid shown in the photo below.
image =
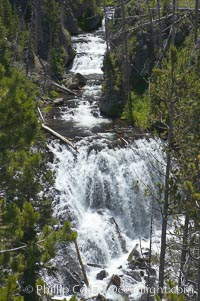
(106, 192)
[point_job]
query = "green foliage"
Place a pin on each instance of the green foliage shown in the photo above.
(6, 293)
(140, 110)
(4, 48)
(54, 94)
(57, 61)
(113, 87)
(89, 9)
(73, 298)
(26, 225)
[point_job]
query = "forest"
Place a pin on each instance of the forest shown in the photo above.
(62, 143)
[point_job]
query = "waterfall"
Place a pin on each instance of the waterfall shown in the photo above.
(106, 191)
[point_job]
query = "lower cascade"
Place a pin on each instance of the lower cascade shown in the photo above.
(107, 191)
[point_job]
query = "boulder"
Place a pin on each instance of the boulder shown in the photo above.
(140, 263)
(116, 281)
(58, 101)
(74, 81)
(100, 298)
(101, 275)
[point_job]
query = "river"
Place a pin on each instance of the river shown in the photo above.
(108, 189)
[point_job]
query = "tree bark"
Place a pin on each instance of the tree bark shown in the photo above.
(126, 57)
(62, 138)
(106, 26)
(168, 170)
(81, 263)
(196, 20)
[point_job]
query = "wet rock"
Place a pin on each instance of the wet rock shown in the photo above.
(100, 298)
(82, 80)
(152, 272)
(116, 281)
(151, 281)
(95, 113)
(144, 297)
(58, 101)
(135, 275)
(140, 263)
(101, 275)
(74, 81)
(66, 267)
(135, 254)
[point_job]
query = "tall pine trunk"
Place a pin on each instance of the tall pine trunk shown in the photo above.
(196, 21)
(168, 169)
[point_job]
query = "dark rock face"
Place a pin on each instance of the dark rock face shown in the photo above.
(101, 275)
(111, 105)
(93, 23)
(69, 268)
(144, 52)
(43, 36)
(69, 21)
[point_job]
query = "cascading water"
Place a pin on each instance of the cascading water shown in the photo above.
(106, 191)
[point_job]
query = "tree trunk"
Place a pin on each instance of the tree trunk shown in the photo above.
(126, 57)
(150, 251)
(160, 27)
(106, 26)
(81, 264)
(198, 280)
(184, 248)
(196, 21)
(168, 169)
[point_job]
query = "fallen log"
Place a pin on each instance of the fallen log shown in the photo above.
(81, 263)
(54, 133)
(62, 138)
(64, 89)
(121, 138)
(41, 116)
(94, 265)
